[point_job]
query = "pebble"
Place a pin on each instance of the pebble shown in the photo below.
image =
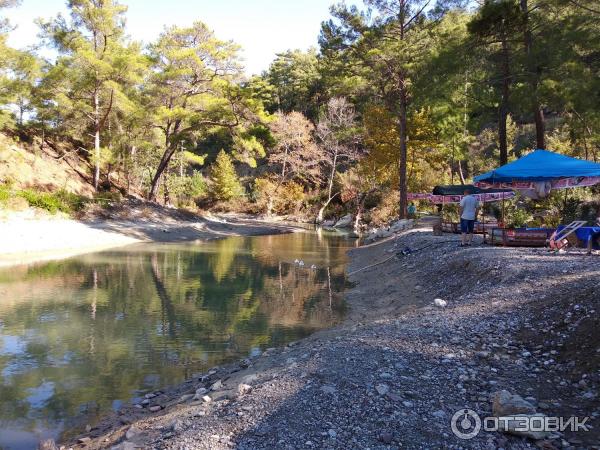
(328, 389)
(382, 389)
(440, 303)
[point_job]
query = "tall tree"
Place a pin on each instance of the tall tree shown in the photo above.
(391, 39)
(337, 137)
(295, 155)
(225, 182)
(9, 59)
(194, 89)
(95, 63)
(496, 26)
(295, 77)
(532, 70)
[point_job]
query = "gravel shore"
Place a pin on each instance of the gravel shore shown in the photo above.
(399, 367)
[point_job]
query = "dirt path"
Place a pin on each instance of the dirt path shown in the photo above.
(396, 371)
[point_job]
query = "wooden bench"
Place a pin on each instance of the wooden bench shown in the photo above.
(519, 237)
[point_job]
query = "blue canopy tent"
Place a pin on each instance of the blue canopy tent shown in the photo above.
(541, 171)
(542, 166)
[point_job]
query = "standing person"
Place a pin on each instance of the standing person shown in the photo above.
(412, 211)
(469, 210)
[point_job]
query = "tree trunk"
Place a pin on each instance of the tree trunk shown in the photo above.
(321, 213)
(96, 140)
(540, 126)
(162, 166)
(533, 76)
(403, 187)
(167, 193)
(329, 189)
(461, 173)
(359, 208)
(503, 110)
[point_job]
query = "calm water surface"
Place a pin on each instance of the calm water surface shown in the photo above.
(82, 336)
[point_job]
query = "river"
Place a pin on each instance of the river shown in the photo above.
(82, 336)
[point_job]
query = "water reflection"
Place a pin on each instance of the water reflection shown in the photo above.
(80, 336)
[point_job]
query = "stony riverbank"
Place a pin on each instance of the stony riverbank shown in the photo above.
(393, 374)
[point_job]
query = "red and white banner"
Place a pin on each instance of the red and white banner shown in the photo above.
(443, 199)
(563, 183)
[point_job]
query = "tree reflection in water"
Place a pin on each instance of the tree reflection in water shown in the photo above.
(80, 336)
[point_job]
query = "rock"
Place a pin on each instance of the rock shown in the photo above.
(255, 352)
(206, 399)
(245, 363)
(506, 404)
(345, 222)
(408, 404)
(328, 389)
(328, 223)
(176, 426)
(125, 446)
(84, 440)
(244, 389)
(511, 426)
(48, 444)
(155, 408)
(382, 389)
(386, 437)
(401, 225)
(440, 303)
(332, 433)
(589, 395)
(439, 414)
(216, 385)
(132, 433)
(186, 397)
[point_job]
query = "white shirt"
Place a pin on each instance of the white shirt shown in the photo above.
(469, 205)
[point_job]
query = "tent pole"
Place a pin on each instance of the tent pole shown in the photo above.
(483, 212)
(503, 223)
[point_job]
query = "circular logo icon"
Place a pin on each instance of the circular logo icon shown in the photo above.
(466, 424)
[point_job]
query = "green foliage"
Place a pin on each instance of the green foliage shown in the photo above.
(225, 184)
(517, 217)
(196, 185)
(187, 189)
(5, 193)
(294, 83)
(53, 202)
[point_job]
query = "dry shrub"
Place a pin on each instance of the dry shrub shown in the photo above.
(386, 210)
(287, 198)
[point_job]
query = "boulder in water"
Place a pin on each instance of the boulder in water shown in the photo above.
(345, 222)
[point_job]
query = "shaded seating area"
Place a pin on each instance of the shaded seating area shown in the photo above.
(520, 237)
(445, 195)
(535, 176)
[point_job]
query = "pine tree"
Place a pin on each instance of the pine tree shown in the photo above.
(96, 64)
(225, 182)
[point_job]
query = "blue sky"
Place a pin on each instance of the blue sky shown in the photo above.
(261, 27)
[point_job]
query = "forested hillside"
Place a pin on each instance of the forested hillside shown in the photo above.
(401, 95)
